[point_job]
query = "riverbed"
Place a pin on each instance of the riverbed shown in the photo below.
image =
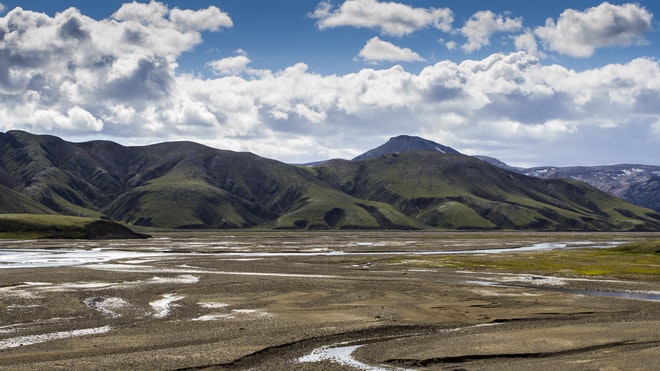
(336, 300)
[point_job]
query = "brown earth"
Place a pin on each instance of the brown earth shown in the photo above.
(197, 307)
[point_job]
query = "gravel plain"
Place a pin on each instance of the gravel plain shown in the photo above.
(316, 301)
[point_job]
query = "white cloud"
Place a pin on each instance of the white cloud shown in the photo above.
(391, 18)
(148, 14)
(579, 34)
(376, 50)
(76, 119)
(2, 7)
(77, 71)
(527, 43)
(83, 78)
(479, 28)
(209, 19)
(230, 65)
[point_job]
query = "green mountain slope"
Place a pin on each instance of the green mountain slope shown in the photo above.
(460, 192)
(181, 185)
(188, 185)
(12, 202)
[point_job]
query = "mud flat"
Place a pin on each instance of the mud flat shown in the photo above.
(330, 301)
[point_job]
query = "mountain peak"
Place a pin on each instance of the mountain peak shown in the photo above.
(406, 143)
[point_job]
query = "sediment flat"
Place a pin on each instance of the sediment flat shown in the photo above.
(326, 300)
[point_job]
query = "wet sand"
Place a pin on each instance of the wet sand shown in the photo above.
(329, 301)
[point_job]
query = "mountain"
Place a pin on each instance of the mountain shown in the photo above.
(406, 143)
(462, 192)
(637, 184)
(180, 185)
(188, 185)
(12, 202)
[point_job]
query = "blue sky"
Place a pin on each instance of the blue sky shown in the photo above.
(557, 83)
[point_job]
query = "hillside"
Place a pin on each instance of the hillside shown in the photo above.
(24, 226)
(637, 184)
(461, 192)
(181, 185)
(188, 185)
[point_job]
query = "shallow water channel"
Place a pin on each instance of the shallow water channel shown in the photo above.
(92, 253)
(103, 257)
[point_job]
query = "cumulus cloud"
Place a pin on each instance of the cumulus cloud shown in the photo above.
(394, 19)
(117, 79)
(579, 34)
(479, 28)
(527, 42)
(230, 65)
(377, 50)
(71, 71)
(210, 19)
(75, 119)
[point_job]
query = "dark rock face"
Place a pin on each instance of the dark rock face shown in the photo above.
(406, 143)
(107, 230)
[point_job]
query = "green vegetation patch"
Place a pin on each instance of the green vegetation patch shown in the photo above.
(30, 226)
(38, 226)
(643, 247)
(636, 261)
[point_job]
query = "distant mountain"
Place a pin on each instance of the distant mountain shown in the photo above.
(461, 192)
(406, 143)
(188, 185)
(638, 184)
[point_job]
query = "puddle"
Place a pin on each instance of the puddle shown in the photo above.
(213, 305)
(161, 307)
(109, 306)
(43, 258)
(213, 317)
(555, 283)
(636, 295)
(31, 289)
(342, 355)
(43, 338)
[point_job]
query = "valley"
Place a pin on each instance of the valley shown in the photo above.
(332, 300)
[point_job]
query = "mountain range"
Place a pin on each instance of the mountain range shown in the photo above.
(396, 186)
(637, 184)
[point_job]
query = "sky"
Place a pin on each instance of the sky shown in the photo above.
(558, 83)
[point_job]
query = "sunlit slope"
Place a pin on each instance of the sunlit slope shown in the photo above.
(192, 186)
(180, 185)
(188, 185)
(460, 192)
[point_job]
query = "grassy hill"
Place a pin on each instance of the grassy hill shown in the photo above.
(461, 192)
(188, 185)
(182, 185)
(29, 226)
